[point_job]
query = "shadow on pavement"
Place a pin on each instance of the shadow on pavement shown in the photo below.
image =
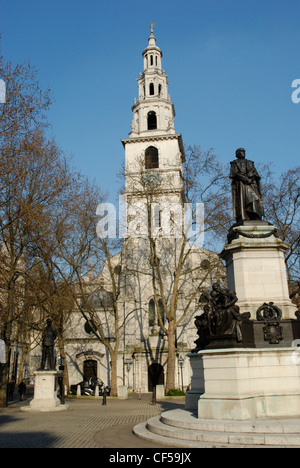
(123, 437)
(27, 440)
(168, 405)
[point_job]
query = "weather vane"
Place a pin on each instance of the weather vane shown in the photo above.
(152, 26)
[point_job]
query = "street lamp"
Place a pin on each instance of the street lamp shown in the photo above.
(61, 364)
(128, 363)
(180, 363)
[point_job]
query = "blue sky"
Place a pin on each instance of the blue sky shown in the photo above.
(230, 64)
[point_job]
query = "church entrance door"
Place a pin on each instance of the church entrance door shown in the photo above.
(90, 370)
(156, 376)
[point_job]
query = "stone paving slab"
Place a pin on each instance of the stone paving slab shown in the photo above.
(122, 437)
(87, 424)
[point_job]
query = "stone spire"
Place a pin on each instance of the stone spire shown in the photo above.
(153, 144)
(154, 112)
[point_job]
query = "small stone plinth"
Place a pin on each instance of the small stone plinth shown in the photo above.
(123, 392)
(45, 394)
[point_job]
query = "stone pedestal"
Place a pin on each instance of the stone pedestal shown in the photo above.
(45, 394)
(123, 392)
(160, 392)
(197, 383)
(256, 269)
(244, 384)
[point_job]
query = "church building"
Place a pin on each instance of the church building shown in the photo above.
(154, 158)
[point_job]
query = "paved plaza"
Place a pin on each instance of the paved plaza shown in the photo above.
(87, 424)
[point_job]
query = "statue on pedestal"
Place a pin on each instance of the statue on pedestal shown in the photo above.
(246, 192)
(49, 337)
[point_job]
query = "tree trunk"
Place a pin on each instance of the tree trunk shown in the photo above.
(25, 350)
(4, 376)
(113, 375)
(61, 346)
(3, 385)
(171, 364)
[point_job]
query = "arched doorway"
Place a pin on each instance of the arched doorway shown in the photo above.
(90, 370)
(156, 376)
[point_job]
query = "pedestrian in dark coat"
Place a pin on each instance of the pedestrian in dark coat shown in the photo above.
(22, 390)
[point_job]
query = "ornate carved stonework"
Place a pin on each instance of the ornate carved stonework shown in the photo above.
(271, 315)
(273, 332)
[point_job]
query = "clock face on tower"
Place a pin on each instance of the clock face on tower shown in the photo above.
(152, 180)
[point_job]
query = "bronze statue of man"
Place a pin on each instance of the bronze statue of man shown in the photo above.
(49, 337)
(246, 192)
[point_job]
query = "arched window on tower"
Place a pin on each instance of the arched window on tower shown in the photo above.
(157, 216)
(151, 158)
(152, 314)
(151, 89)
(152, 120)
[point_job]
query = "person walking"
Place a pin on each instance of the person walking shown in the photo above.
(104, 397)
(22, 390)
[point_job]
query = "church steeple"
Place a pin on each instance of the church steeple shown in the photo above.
(152, 54)
(154, 112)
(153, 141)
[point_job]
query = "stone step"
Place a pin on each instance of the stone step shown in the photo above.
(180, 428)
(188, 420)
(156, 426)
(141, 431)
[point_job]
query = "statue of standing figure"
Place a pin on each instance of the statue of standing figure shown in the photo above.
(246, 192)
(49, 337)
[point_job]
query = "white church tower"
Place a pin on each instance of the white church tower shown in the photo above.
(153, 152)
(153, 146)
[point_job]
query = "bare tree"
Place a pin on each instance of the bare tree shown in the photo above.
(178, 267)
(282, 205)
(34, 178)
(88, 261)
